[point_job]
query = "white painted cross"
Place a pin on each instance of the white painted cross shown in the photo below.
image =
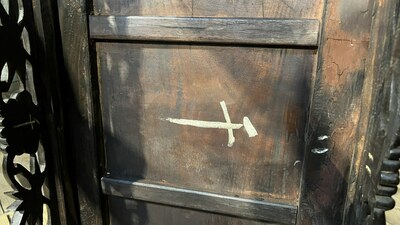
(228, 125)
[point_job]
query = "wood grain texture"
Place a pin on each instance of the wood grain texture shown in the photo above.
(177, 8)
(293, 8)
(228, 8)
(140, 81)
(80, 126)
(258, 8)
(306, 9)
(155, 214)
(207, 30)
(50, 99)
(215, 203)
(144, 83)
(335, 112)
(381, 119)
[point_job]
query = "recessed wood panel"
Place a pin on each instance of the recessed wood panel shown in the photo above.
(144, 87)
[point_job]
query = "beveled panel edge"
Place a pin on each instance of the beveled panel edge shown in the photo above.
(198, 200)
(254, 31)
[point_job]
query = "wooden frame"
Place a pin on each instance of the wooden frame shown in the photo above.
(340, 108)
(290, 32)
(156, 193)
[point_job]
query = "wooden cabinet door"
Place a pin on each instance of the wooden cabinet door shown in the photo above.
(218, 112)
(204, 106)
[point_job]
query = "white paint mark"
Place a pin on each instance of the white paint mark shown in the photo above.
(297, 162)
(368, 170)
(205, 124)
(248, 126)
(323, 137)
(228, 125)
(371, 157)
(231, 138)
(319, 150)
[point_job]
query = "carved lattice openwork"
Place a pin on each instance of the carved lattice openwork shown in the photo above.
(20, 120)
(387, 186)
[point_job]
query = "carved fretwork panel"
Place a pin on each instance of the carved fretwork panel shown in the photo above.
(20, 115)
(379, 168)
(379, 186)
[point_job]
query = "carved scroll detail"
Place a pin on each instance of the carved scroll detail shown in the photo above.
(20, 124)
(388, 182)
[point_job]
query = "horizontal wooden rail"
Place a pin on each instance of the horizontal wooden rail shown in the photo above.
(291, 32)
(236, 206)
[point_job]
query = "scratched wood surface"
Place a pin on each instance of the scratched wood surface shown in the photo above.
(311, 9)
(80, 126)
(341, 87)
(147, 83)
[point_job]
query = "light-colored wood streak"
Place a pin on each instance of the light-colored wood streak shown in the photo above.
(218, 8)
(143, 7)
(209, 30)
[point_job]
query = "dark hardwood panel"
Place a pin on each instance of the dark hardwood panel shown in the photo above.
(144, 84)
(80, 126)
(340, 89)
(380, 123)
(209, 30)
(229, 205)
(48, 92)
(131, 212)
